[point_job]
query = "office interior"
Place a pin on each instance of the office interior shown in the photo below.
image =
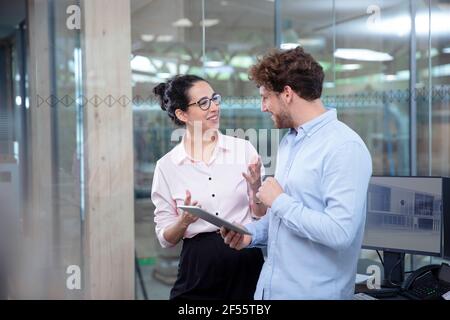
(80, 131)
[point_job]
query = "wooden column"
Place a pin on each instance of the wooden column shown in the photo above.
(108, 145)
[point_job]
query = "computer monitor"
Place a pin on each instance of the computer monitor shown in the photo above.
(407, 215)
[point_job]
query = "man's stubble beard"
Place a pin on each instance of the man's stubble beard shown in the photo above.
(283, 120)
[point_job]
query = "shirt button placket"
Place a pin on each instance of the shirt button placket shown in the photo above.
(213, 194)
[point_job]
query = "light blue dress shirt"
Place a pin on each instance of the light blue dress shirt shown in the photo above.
(314, 230)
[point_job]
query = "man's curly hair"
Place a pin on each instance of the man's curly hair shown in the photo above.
(294, 68)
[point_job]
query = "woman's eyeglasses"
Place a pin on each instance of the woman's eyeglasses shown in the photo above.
(205, 103)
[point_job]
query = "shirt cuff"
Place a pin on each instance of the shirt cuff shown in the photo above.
(252, 228)
(164, 243)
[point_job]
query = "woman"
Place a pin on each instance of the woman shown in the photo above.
(222, 174)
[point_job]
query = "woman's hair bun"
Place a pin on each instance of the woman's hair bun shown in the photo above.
(174, 94)
(159, 91)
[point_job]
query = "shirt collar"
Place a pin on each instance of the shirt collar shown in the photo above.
(179, 152)
(312, 126)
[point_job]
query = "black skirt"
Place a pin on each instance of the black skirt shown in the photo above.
(210, 269)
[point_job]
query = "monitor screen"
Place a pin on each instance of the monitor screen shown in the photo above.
(446, 218)
(405, 214)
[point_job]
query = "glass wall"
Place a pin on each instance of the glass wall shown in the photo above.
(41, 192)
(393, 101)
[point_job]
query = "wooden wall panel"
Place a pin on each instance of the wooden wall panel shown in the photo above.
(109, 233)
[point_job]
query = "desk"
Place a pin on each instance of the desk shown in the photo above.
(362, 288)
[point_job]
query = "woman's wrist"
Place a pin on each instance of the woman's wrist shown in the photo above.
(183, 224)
(255, 187)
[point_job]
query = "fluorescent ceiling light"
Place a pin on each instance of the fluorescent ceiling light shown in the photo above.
(288, 45)
(446, 50)
(224, 3)
(213, 71)
(312, 42)
(401, 25)
(328, 85)
(209, 22)
(164, 38)
(362, 55)
(350, 67)
(390, 77)
(213, 64)
(182, 23)
(142, 64)
(147, 37)
(403, 75)
(441, 71)
(163, 75)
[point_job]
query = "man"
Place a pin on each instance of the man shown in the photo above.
(314, 226)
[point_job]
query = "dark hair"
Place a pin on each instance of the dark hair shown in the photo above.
(173, 94)
(294, 68)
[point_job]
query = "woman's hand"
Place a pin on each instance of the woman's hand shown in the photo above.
(253, 174)
(186, 218)
(175, 232)
(253, 178)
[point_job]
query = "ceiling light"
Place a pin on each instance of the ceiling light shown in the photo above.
(164, 38)
(446, 50)
(362, 55)
(147, 37)
(213, 64)
(209, 22)
(182, 23)
(312, 42)
(163, 75)
(350, 67)
(401, 25)
(288, 45)
(142, 64)
(390, 77)
(441, 71)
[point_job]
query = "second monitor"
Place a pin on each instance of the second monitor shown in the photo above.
(407, 215)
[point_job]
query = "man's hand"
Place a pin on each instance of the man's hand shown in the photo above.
(235, 240)
(269, 191)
